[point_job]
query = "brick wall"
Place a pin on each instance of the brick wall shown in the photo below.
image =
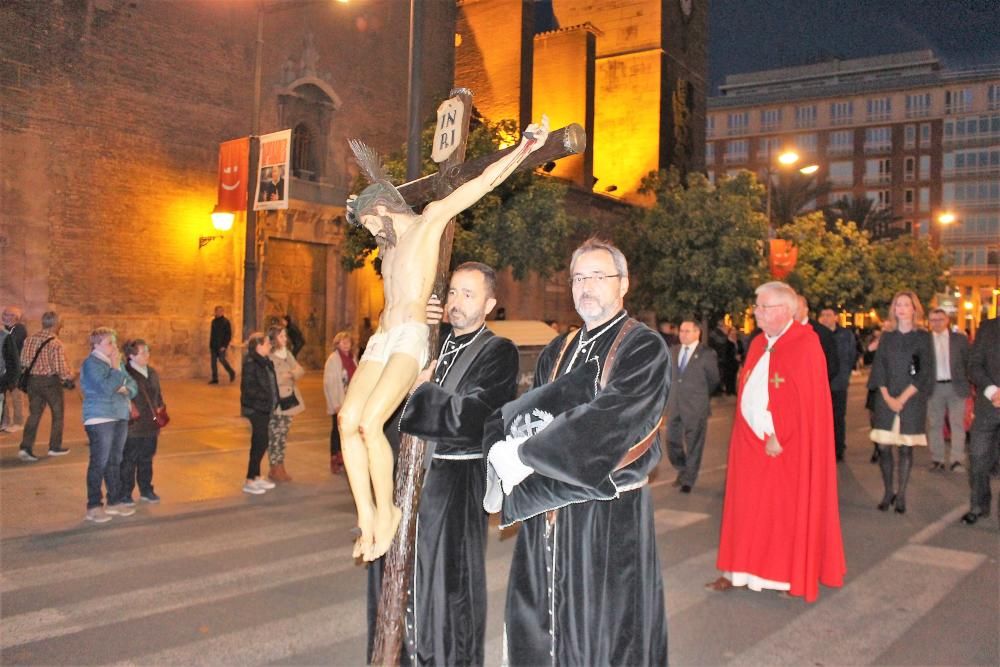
(113, 113)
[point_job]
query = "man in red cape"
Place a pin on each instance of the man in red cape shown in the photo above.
(780, 520)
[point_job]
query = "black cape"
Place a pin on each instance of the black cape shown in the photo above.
(446, 613)
(588, 589)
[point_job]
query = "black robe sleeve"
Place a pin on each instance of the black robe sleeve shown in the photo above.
(457, 418)
(583, 445)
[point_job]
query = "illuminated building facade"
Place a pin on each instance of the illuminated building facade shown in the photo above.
(901, 130)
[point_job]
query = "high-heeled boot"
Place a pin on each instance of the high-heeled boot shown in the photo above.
(905, 465)
(885, 464)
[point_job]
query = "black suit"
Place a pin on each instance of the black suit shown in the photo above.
(688, 409)
(829, 345)
(218, 340)
(984, 446)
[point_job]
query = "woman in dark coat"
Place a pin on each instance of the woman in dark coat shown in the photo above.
(903, 376)
(258, 400)
(140, 445)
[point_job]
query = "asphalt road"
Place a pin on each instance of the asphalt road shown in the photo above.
(216, 577)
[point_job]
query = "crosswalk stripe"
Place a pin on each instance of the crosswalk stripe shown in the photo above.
(77, 568)
(140, 603)
(857, 624)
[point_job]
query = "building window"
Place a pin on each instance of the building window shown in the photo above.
(918, 105)
(770, 119)
(710, 126)
(806, 144)
(924, 227)
(841, 142)
(925, 135)
(737, 150)
(805, 116)
(925, 199)
(925, 167)
(879, 108)
(909, 169)
(878, 139)
(973, 194)
(993, 97)
(972, 128)
(303, 164)
(738, 123)
(910, 136)
(768, 148)
(972, 162)
(908, 200)
(882, 198)
(878, 171)
(958, 100)
(710, 152)
(842, 173)
(841, 113)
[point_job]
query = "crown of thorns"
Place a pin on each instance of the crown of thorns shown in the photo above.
(381, 191)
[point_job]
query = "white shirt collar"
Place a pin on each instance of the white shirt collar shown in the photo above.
(771, 341)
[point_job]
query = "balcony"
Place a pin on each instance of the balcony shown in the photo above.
(881, 147)
(879, 116)
(840, 149)
(877, 179)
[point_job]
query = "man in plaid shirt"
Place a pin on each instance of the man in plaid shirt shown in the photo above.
(45, 385)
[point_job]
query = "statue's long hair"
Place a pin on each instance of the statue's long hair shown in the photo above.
(380, 192)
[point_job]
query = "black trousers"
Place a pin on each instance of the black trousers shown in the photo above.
(984, 448)
(258, 442)
(219, 356)
(839, 421)
(334, 437)
(137, 465)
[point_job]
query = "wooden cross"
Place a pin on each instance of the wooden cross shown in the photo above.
(452, 172)
(777, 380)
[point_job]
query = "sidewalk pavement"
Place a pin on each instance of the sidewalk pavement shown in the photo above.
(200, 463)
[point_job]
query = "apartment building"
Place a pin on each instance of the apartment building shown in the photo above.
(899, 129)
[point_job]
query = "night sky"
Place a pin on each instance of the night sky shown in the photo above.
(750, 35)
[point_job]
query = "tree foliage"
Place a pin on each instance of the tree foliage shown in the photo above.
(834, 266)
(863, 212)
(522, 223)
(906, 263)
(697, 251)
(791, 193)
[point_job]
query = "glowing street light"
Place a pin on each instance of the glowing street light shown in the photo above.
(788, 158)
(809, 169)
(946, 218)
(222, 220)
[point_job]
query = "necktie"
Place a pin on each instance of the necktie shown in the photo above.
(684, 360)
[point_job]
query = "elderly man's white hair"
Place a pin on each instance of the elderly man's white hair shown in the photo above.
(782, 290)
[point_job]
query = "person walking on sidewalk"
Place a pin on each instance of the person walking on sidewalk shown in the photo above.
(258, 400)
(12, 420)
(44, 362)
(140, 445)
(337, 374)
(287, 370)
(218, 342)
(107, 390)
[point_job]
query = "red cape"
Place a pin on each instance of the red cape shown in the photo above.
(780, 520)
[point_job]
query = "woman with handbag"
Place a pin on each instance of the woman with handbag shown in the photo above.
(903, 377)
(337, 373)
(144, 430)
(287, 370)
(258, 400)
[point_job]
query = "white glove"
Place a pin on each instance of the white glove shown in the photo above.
(507, 464)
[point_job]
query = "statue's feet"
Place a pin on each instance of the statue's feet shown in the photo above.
(386, 525)
(363, 545)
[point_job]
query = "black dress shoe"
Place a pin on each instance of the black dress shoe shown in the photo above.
(972, 517)
(686, 488)
(213, 382)
(887, 502)
(900, 505)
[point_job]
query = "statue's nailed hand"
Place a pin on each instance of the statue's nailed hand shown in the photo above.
(536, 134)
(434, 312)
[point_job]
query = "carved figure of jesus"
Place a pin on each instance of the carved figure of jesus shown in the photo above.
(408, 246)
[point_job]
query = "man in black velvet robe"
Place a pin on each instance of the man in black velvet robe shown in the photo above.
(585, 584)
(475, 373)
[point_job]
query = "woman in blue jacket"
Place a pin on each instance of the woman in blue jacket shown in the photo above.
(107, 389)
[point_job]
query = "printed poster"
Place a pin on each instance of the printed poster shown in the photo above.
(272, 179)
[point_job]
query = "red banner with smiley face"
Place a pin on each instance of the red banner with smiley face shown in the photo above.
(234, 165)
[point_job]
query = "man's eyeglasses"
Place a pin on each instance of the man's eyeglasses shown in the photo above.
(580, 281)
(760, 306)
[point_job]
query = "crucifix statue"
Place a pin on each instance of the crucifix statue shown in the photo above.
(415, 252)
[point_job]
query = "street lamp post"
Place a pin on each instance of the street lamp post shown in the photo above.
(250, 246)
